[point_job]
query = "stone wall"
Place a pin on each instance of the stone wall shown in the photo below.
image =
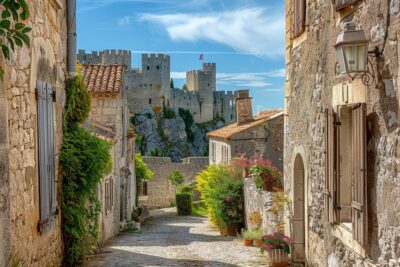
(256, 200)
(45, 61)
(161, 193)
(311, 79)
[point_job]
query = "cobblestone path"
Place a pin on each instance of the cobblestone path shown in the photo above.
(170, 240)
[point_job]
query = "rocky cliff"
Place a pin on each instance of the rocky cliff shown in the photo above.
(168, 134)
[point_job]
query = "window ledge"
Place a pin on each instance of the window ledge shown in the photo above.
(344, 235)
(301, 38)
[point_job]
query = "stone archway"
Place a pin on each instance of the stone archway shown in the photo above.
(299, 217)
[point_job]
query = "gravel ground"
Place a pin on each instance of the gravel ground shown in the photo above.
(170, 240)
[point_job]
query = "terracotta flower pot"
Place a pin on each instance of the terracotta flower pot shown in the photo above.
(248, 242)
(278, 258)
(223, 231)
(258, 243)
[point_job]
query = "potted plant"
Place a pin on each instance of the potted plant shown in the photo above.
(277, 247)
(250, 236)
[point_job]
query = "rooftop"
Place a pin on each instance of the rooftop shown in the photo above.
(102, 79)
(229, 131)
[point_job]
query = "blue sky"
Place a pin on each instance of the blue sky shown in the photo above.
(246, 39)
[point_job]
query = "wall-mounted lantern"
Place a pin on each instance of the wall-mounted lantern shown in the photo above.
(352, 53)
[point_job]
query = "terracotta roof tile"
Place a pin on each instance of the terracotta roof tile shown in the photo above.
(102, 79)
(229, 131)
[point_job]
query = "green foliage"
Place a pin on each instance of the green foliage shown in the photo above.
(169, 113)
(171, 84)
(185, 189)
(141, 170)
(84, 160)
(189, 121)
(176, 178)
(156, 153)
(200, 209)
(184, 203)
(252, 235)
(149, 115)
(184, 87)
(12, 28)
(266, 176)
(78, 101)
(221, 189)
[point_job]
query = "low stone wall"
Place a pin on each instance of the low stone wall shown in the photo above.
(160, 192)
(260, 201)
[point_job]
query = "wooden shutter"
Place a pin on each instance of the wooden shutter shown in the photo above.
(331, 152)
(359, 173)
(299, 18)
(47, 195)
(340, 4)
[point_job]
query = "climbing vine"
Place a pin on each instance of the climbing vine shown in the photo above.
(84, 160)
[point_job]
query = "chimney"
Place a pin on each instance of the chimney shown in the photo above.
(244, 110)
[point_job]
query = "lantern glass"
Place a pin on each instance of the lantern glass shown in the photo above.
(355, 57)
(341, 61)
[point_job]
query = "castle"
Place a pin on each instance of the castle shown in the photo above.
(150, 86)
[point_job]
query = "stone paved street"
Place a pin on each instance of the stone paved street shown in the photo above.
(170, 240)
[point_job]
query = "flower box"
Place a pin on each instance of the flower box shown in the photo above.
(278, 258)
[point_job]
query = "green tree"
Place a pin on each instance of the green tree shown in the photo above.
(184, 87)
(176, 178)
(12, 28)
(143, 172)
(171, 84)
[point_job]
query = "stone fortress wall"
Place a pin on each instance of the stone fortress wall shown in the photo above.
(149, 86)
(160, 191)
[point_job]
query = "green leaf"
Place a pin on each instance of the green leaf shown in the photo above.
(18, 41)
(11, 42)
(1, 73)
(26, 30)
(6, 51)
(5, 14)
(2, 32)
(5, 23)
(19, 26)
(23, 37)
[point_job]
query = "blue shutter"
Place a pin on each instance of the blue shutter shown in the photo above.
(45, 126)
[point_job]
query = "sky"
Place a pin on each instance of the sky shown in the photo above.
(245, 38)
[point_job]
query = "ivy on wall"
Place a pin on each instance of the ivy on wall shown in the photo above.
(84, 160)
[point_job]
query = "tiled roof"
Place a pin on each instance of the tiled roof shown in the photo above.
(229, 131)
(103, 79)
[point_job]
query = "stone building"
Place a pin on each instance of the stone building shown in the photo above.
(260, 135)
(159, 192)
(109, 118)
(31, 104)
(342, 133)
(149, 86)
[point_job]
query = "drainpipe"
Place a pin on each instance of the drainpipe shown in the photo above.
(71, 49)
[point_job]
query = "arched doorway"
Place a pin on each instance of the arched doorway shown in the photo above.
(299, 210)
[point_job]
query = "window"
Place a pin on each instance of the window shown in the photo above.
(213, 151)
(148, 67)
(143, 189)
(149, 101)
(340, 4)
(47, 188)
(109, 195)
(158, 67)
(346, 174)
(299, 17)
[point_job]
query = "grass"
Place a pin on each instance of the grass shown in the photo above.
(200, 209)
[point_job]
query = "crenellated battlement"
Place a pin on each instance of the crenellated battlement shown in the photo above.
(155, 56)
(108, 56)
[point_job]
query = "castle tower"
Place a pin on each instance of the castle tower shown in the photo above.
(106, 57)
(156, 72)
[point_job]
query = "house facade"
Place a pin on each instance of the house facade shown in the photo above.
(109, 118)
(260, 135)
(342, 134)
(31, 103)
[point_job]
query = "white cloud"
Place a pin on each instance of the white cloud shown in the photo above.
(124, 21)
(241, 79)
(255, 30)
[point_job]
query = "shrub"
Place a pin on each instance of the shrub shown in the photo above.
(185, 189)
(266, 175)
(252, 235)
(221, 190)
(78, 101)
(184, 203)
(176, 178)
(169, 113)
(141, 170)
